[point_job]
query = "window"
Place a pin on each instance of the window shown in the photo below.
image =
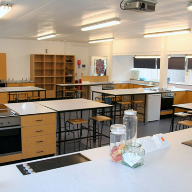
(176, 63)
(144, 63)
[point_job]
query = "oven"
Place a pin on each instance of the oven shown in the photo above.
(3, 83)
(10, 132)
(167, 101)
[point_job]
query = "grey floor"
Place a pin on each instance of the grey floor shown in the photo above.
(147, 129)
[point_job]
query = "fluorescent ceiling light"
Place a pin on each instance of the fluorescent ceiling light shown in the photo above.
(149, 56)
(102, 24)
(165, 33)
(189, 6)
(188, 56)
(4, 9)
(101, 40)
(46, 36)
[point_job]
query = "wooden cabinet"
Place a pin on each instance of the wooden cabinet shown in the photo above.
(48, 70)
(121, 86)
(38, 135)
(189, 97)
(3, 98)
(22, 84)
(179, 98)
(3, 68)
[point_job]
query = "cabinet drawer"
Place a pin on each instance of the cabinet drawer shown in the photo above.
(38, 141)
(9, 158)
(39, 151)
(42, 119)
(38, 130)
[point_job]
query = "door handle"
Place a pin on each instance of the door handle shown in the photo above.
(39, 120)
(39, 131)
(39, 151)
(39, 141)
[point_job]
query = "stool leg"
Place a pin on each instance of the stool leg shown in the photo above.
(101, 133)
(98, 131)
(73, 138)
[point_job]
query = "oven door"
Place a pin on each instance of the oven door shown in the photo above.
(10, 140)
(166, 103)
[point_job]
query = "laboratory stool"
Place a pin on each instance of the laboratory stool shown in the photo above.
(182, 116)
(74, 122)
(98, 97)
(21, 96)
(100, 121)
(69, 94)
(81, 93)
(135, 104)
(124, 105)
(185, 123)
(34, 97)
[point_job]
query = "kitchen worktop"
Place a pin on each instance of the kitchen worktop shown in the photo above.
(163, 170)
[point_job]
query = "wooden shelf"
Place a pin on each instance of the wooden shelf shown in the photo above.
(49, 70)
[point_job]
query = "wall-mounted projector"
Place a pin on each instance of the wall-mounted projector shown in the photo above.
(140, 5)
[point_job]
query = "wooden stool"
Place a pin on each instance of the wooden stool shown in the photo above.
(22, 96)
(34, 97)
(182, 116)
(186, 123)
(124, 104)
(69, 94)
(98, 97)
(135, 104)
(75, 122)
(100, 120)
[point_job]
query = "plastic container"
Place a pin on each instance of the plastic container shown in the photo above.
(130, 121)
(133, 155)
(117, 142)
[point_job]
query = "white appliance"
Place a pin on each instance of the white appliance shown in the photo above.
(96, 88)
(153, 107)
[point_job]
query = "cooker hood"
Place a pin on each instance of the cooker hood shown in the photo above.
(140, 5)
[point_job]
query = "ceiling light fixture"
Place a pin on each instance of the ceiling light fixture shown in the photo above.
(46, 36)
(4, 9)
(149, 56)
(165, 33)
(101, 40)
(101, 24)
(188, 56)
(189, 6)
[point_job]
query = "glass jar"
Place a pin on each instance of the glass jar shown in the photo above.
(130, 121)
(133, 155)
(117, 142)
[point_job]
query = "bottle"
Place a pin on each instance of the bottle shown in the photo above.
(130, 121)
(117, 142)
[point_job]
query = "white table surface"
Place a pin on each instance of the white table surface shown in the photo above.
(185, 105)
(165, 170)
(72, 104)
(17, 89)
(135, 91)
(29, 110)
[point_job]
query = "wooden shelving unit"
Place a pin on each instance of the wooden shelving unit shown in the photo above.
(48, 70)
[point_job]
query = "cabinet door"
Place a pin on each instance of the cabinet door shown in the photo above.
(189, 97)
(179, 98)
(130, 86)
(3, 71)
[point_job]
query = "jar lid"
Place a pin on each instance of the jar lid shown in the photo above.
(130, 112)
(118, 129)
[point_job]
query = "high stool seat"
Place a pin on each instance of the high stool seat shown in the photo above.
(75, 122)
(98, 97)
(22, 96)
(100, 120)
(81, 93)
(186, 123)
(123, 105)
(69, 94)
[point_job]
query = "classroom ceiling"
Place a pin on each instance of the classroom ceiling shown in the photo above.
(31, 18)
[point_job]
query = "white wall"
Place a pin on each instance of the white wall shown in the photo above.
(121, 68)
(18, 54)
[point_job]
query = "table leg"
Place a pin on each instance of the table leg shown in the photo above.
(144, 109)
(56, 91)
(9, 96)
(94, 126)
(92, 94)
(62, 92)
(172, 126)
